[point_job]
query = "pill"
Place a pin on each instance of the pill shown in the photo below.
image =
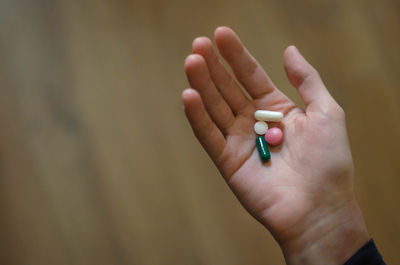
(274, 136)
(266, 115)
(260, 127)
(263, 150)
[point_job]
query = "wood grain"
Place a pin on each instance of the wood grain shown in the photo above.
(97, 162)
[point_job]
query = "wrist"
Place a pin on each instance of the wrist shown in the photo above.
(331, 238)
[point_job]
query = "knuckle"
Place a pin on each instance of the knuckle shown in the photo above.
(248, 70)
(312, 75)
(335, 110)
(303, 76)
(340, 111)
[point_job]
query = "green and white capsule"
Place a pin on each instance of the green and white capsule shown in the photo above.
(263, 150)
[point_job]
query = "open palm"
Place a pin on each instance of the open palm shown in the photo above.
(313, 165)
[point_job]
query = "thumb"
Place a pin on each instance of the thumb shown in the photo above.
(307, 81)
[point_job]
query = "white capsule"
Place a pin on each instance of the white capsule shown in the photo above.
(261, 127)
(266, 115)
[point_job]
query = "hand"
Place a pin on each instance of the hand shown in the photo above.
(304, 194)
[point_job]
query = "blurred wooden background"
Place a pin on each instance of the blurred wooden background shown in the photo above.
(97, 162)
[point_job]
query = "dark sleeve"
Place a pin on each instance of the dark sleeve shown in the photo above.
(367, 255)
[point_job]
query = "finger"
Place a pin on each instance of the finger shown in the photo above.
(203, 127)
(246, 69)
(223, 80)
(306, 80)
(199, 78)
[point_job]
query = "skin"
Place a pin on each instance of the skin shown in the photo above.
(304, 194)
